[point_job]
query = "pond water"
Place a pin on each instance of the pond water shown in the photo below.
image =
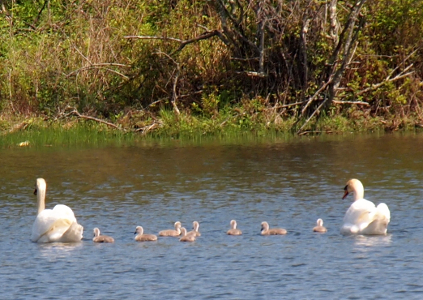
(289, 183)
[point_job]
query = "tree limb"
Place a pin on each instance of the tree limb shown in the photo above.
(76, 113)
(351, 102)
(182, 43)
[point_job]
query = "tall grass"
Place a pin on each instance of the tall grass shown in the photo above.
(116, 58)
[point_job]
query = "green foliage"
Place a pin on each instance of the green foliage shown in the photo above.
(84, 54)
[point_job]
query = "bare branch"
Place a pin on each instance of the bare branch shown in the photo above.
(312, 115)
(375, 86)
(76, 113)
(150, 127)
(182, 43)
(351, 102)
(311, 99)
(96, 66)
(80, 53)
(203, 36)
(175, 83)
(152, 37)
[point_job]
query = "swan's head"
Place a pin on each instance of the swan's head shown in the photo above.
(319, 222)
(139, 230)
(233, 224)
(184, 231)
(178, 225)
(96, 232)
(354, 186)
(40, 185)
(264, 226)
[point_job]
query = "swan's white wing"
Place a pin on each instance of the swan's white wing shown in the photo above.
(73, 234)
(64, 212)
(381, 219)
(383, 211)
(56, 231)
(42, 224)
(358, 216)
(363, 217)
(51, 224)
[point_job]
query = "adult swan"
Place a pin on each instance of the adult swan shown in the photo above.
(54, 225)
(363, 217)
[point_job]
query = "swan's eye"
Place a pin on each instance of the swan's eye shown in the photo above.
(346, 188)
(35, 192)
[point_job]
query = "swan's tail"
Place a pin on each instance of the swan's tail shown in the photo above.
(73, 234)
(383, 212)
(380, 222)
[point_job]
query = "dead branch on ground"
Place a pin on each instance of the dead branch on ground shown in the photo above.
(79, 115)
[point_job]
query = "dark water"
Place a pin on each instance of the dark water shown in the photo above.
(287, 183)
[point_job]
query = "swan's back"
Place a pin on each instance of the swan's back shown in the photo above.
(172, 232)
(363, 217)
(98, 238)
(187, 237)
(234, 230)
(265, 230)
(319, 226)
(56, 225)
(142, 237)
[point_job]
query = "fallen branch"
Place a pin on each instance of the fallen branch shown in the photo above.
(150, 127)
(76, 113)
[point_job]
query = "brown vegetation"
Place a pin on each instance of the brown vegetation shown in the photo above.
(123, 61)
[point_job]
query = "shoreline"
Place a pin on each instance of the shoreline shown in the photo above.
(16, 130)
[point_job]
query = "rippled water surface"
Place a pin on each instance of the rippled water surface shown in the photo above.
(289, 183)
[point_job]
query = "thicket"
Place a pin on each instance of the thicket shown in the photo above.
(130, 61)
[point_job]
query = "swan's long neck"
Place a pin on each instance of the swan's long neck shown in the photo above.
(196, 226)
(140, 231)
(358, 192)
(41, 195)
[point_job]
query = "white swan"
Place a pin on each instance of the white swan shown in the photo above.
(172, 232)
(319, 226)
(187, 237)
(54, 225)
(142, 237)
(98, 238)
(234, 230)
(363, 217)
(265, 230)
(195, 228)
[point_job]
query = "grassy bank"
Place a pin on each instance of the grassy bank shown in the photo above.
(166, 125)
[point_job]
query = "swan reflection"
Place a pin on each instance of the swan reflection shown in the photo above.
(372, 240)
(55, 251)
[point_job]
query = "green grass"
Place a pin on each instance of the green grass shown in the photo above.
(49, 134)
(187, 128)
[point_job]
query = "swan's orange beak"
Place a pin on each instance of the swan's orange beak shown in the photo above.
(345, 193)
